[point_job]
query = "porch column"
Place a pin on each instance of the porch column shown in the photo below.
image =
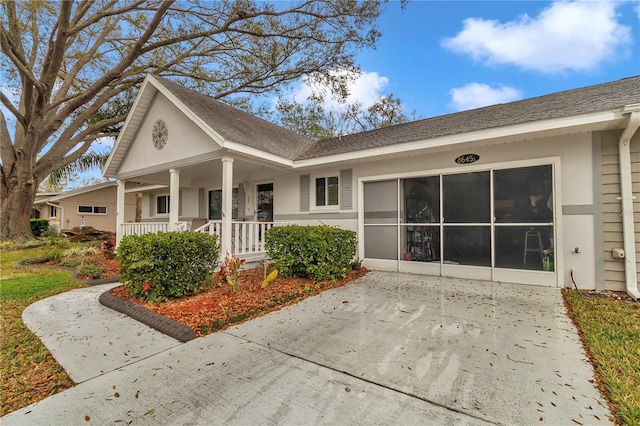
(119, 210)
(227, 194)
(174, 198)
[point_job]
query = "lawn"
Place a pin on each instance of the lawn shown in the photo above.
(610, 331)
(29, 372)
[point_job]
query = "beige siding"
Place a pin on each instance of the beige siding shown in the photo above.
(105, 197)
(612, 207)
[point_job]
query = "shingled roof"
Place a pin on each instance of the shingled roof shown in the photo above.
(590, 99)
(239, 126)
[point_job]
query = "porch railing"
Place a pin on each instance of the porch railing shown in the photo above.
(246, 237)
(139, 228)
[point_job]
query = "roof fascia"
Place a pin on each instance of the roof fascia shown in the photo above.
(257, 153)
(81, 191)
(107, 169)
(462, 138)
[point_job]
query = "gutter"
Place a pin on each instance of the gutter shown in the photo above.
(626, 192)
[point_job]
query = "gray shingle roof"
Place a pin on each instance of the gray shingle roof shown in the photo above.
(239, 126)
(590, 99)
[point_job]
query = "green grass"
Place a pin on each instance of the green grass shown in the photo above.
(28, 371)
(611, 332)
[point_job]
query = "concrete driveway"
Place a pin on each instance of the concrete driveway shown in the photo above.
(386, 349)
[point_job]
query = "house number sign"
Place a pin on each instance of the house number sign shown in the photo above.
(467, 158)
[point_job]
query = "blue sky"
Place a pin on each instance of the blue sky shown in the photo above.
(440, 57)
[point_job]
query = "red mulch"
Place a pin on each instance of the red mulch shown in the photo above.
(218, 307)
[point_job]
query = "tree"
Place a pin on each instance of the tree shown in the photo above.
(74, 68)
(316, 120)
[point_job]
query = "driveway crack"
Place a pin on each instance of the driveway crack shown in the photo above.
(372, 382)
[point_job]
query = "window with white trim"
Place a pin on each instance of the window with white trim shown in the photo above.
(162, 204)
(86, 209)
(53, 212)
(327, 191)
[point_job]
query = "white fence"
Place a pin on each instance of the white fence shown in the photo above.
(246, 237)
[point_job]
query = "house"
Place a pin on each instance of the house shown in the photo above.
(93, 205)
(537, 191)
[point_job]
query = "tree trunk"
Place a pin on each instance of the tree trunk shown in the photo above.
(16, 206)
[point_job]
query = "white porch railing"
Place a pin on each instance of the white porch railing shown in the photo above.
(139, 228)
(246, 237)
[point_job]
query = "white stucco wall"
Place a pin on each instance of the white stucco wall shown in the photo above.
(143, 155)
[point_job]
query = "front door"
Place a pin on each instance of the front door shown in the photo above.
(264, 202)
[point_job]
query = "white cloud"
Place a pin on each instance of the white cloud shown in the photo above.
(577, 36)
(476, 95)
(365, 88)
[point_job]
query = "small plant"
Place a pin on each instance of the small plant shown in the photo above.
(108, 249)
(356, 264)
(229, 270)
(91, 270)
(69, 262)
(52, 255)
(267, 278)
(80, 251)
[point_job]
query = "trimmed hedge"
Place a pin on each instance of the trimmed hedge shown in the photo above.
(165, 266)
(39, 226)
(318, 252)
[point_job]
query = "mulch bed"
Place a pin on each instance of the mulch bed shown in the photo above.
(218, 307)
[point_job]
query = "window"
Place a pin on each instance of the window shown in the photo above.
(53, 212)
(327, 190)
(92, 209)
(162, 204)
(215, 204)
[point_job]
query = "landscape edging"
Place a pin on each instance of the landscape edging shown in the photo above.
(154, 320)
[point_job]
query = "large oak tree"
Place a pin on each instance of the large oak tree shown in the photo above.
(70, 68)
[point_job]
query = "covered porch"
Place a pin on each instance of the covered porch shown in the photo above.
(226, 196)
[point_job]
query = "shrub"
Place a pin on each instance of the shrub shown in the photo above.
(318, 252)
(164, 266)
(39, 226)
(91, 270)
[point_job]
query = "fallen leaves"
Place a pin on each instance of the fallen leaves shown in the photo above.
(219, 307)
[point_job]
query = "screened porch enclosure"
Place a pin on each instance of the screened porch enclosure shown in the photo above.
(485, 224)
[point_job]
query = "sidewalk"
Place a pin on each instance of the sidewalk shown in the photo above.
(88, 339)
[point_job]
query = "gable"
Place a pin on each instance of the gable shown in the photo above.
(185, 140)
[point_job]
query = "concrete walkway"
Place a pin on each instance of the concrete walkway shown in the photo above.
(386, 349)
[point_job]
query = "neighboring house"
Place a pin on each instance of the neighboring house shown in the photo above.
(536, 191)
(93, 206)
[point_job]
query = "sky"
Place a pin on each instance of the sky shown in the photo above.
(440, 57)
